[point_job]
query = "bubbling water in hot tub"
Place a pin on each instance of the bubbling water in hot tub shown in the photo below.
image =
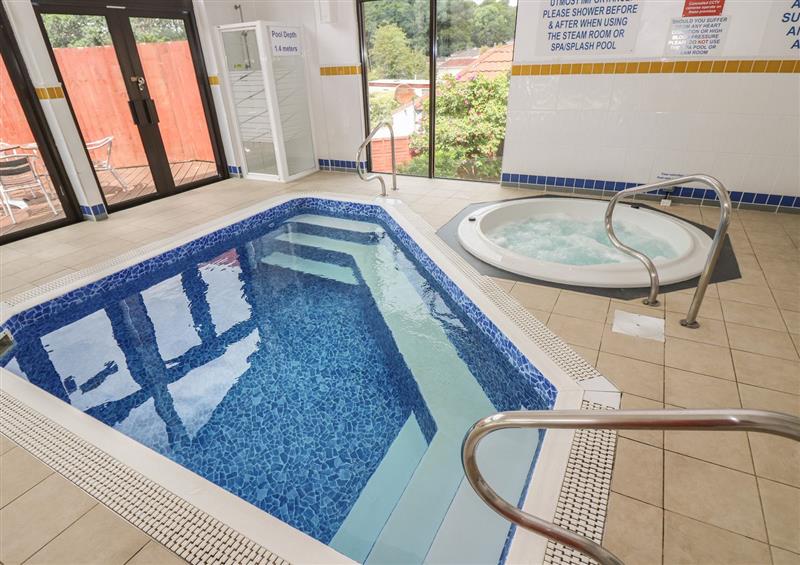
(560, 238)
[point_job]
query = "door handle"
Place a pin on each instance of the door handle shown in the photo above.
(139, 82)
(150, 110)
(134, 115)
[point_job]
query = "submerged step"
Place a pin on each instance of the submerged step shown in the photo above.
(311, 267)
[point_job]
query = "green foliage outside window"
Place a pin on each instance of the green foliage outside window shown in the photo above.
(470, 129)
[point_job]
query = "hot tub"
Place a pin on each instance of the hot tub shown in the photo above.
(563, 240)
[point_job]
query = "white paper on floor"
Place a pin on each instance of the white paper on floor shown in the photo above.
(637, 325)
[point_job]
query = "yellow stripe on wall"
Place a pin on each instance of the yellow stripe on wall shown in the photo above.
(49, 92)
(213, 80)
(340, 71)
(649, 67)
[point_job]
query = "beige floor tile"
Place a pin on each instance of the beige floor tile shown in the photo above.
(729, 449)
(52, 506)
(764, 342)
(699, 358)
(692, 390)
(782, 513)
(576, 331)
(541, 315)
(785, 279)
(19, 472)
(505, 284)
(626, 516)
(787, 299)
(776, 458)
(634, 347)
(710, 331)
(6, 444)
(765, 399)
(633, 376)
(792, 320)
(632, 402)
(689, 542)
(783, 557)
(767, 372)
(713, 494)
(535, 296)
(155, 554)
(590, 355)
(638, 471)
(753, 315)
(679, 302)
(750, 294)
(582, 306)
(99, 537)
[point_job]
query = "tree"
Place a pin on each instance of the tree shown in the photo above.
(493, 23)
(381, 106)
(470, 129)
(411, 16)
(454, 26)
(68, 30)
(391, 56)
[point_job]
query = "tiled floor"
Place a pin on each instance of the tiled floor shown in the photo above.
(46, 519)
(677, 497)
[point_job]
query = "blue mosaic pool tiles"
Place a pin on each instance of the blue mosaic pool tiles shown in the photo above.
(758, 200)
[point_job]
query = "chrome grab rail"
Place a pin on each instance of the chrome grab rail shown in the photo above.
(723, 420)
(394, 160)
(716, 246)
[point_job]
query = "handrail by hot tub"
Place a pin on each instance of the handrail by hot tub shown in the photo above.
(394, 160)
(716, 246)
(722, 420)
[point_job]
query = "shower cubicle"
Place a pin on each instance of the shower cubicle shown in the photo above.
(264, 80)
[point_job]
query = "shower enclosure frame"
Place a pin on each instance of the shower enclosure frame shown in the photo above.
(264, 55)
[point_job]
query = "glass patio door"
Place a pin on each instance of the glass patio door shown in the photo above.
(34, 191)
(132, 79)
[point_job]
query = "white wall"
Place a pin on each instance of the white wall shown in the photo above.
(743, 128)
(330, 32)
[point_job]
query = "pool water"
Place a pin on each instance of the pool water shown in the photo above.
(309, 364)
(560, 238)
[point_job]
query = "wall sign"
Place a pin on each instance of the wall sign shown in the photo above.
(584, 28)
(285, 41)
(696, 37)
(696, 8)
(782, 34)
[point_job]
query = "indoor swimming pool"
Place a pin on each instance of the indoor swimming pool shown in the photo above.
(311, 360)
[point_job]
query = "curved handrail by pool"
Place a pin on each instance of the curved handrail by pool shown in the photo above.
(722, 420)
(373, 176)
(716, 246)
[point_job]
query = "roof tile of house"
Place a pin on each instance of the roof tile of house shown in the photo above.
(492, 62)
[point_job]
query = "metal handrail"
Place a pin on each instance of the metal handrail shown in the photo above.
(394, 160)
(716, 246)
(723, 420)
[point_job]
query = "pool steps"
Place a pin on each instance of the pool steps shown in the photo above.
(410, 534)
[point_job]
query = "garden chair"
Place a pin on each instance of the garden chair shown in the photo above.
(18, 172)
(103, 163)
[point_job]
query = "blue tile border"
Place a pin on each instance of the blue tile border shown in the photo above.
(339, 165)
(756, 200)
(235, 170)
(94, 213)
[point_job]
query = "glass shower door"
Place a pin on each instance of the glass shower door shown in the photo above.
(249, 98)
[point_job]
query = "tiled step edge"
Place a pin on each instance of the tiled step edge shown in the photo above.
(184, 529)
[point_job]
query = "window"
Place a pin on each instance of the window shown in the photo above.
(462, 120)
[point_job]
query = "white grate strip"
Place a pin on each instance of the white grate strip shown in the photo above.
(194, 535)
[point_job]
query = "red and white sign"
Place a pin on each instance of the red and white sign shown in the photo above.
(695, 8)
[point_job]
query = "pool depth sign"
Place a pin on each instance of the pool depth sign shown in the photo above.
(285, 41)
